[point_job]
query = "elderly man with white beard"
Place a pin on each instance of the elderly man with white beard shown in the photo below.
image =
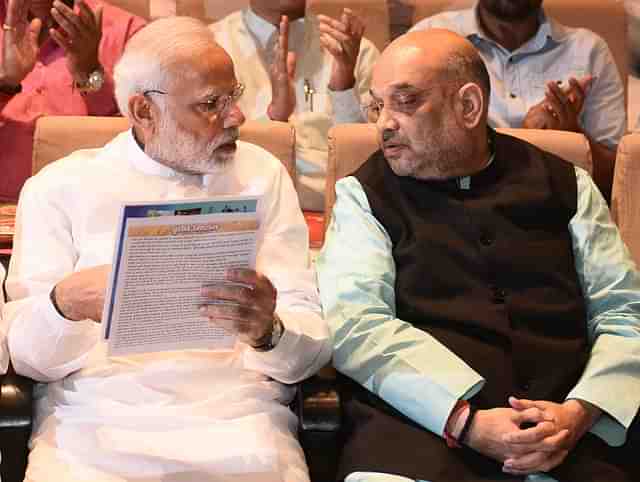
(180, 415)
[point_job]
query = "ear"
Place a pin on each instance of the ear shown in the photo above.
(471, 105)
(143, 115)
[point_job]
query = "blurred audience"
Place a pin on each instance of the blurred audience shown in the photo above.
(545, 75)
(313, 72)
(56, 59)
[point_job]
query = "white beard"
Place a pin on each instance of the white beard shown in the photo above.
(183, 151)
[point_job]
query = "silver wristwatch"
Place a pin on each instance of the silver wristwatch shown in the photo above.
(276, 335)
(94, 82)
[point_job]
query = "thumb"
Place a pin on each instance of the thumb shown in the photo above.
(291, 65)
(34, 31)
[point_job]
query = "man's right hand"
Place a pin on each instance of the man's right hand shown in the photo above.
(19, 43)
(487, 434)
(80, 295)
(282, 72)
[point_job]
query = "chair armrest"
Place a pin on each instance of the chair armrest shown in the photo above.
(318, 408)
(16, 409)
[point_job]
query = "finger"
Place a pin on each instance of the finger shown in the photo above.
(532, 414)
(554, 90)
(335, 33)
(291, 65)
(98, 19)
(520, 403)
(545, 464)
(328, 22)
(283, 38)
(332, 45)
(242, 275)
(68, 26)
(577, 93)
(241, 315)
(225, 291)
(526, 463)
(86, 16)
(62, 41)
(353, 23)
(532, 435)
(34, 32)
(586, 81)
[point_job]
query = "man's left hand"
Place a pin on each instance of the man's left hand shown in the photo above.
(79, 36)
(341, 38)
(572, 420)
(243, 303)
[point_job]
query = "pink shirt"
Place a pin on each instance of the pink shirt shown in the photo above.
(48, 90)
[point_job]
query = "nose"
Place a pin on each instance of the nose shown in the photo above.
(234, 118)
(386, 122)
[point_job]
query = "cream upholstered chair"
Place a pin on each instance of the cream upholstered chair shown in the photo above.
(374, 14)
(607, 18)
(625, 202)
(350, 145)
(209, 10)
(137, 7)
(58, 136)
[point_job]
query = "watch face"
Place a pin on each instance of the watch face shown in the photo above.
(96, 80)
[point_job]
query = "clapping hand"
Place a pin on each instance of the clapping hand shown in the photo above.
(341, 38)
(79, 36)
(282, 72)
(19, 42)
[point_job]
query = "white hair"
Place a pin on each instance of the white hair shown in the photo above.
(150, 53)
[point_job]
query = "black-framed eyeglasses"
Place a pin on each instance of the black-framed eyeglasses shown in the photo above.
(216, 105)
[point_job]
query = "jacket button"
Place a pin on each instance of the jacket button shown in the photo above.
(486, 239)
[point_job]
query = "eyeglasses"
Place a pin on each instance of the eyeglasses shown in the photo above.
(404, 103)
(217, 105)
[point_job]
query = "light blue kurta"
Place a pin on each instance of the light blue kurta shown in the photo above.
(421, 377)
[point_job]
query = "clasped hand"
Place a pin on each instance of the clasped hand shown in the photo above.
(531, 436)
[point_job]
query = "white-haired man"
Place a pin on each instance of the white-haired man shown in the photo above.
(182, 415)
(311, 71)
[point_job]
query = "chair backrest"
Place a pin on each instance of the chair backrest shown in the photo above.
(137, 7)
(625, 198)
(350, 145)
(208, 10)
(607, 18)
(374, 14)
(58, 136)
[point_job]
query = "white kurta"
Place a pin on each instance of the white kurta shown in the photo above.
(249, 40)
(174, 416)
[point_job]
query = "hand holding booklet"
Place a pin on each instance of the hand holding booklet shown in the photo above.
(164, 255)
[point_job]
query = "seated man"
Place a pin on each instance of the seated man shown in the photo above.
(545, 75)
(490, 300)
(53, 61)
(182, 415)
(321, 81)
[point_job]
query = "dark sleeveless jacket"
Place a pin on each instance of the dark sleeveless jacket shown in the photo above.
(489, 271)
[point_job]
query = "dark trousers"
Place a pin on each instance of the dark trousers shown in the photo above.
(377, 438)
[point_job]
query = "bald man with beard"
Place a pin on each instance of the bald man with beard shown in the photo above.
(488, 325)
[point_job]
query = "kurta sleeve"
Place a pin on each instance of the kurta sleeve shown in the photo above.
(43, 345)
(283, 256)
(611, 287)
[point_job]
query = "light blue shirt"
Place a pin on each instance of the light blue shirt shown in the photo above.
(557, 53)
(420, 376)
